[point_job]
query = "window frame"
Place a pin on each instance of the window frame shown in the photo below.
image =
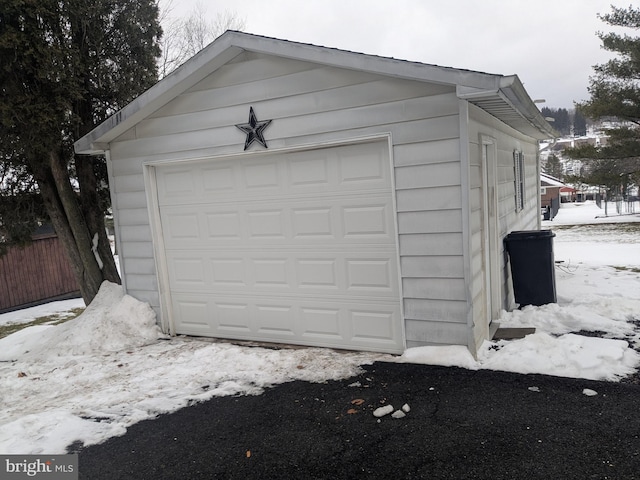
(519, 186)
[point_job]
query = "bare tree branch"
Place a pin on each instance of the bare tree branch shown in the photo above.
(184, 37)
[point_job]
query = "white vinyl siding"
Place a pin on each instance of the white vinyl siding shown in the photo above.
(312, 104)
(507, 141)
(429, 203)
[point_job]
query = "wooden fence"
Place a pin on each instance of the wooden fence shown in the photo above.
(35, 274)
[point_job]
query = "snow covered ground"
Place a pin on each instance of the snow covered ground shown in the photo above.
(90, 378)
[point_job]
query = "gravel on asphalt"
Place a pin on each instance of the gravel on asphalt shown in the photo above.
(458, 424)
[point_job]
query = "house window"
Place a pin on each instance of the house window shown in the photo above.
(518, 167)
(543, 190)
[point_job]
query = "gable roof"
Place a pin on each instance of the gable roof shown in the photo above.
(550, 181)
(503, 97)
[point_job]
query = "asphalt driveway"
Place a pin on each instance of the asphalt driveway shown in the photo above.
(461, 425)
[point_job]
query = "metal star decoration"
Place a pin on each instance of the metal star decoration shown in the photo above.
(254, 130)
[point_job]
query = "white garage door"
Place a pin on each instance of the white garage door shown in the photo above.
(297, 248)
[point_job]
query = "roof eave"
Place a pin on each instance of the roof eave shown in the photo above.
(509, 102)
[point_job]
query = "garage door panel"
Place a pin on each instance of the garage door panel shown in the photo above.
(232, 318)
(338, 325)
(367, 274)
(312, 222)
(223, 226)
(266, 224)
(201, 315)
(360, 220)
(228, 272)
(271, 273)
(376, 326)
(181, 226)
(298, 248)
(188, 272)
(324, 324)
(177, 183)
(309, 171)
(261, 176)
(218, 180)
(323, 172)
(276, 320)
(194, 315)
(366, 168)
(369, 219)
(317, 273)
(295, 272)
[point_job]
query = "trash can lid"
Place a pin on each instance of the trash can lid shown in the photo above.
(530, 235)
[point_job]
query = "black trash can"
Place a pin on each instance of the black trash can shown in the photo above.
(532, 266)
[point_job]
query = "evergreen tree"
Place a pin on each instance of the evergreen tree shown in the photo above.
(65, 66)
(561, 121)
(553, 167)
(615, 92)
(579, 123)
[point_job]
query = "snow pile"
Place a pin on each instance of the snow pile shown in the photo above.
(554, 350)
(566, 356)
(446, 356)
(112, 322)
(559, 319)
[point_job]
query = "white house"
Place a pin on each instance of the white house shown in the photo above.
(276, 191)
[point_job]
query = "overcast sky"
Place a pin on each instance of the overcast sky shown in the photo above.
(550, 44)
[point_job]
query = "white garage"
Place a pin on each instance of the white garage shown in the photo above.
(362, 206)
(297, 247)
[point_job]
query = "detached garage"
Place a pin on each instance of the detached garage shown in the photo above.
(282, 192)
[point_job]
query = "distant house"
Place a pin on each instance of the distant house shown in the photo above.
(568, 194)
(37, 273)
(550, 195)
(571, 142)
(284, 192)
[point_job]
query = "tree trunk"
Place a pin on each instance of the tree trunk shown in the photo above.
(70, 225)
(94, 215)
(60, 224)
